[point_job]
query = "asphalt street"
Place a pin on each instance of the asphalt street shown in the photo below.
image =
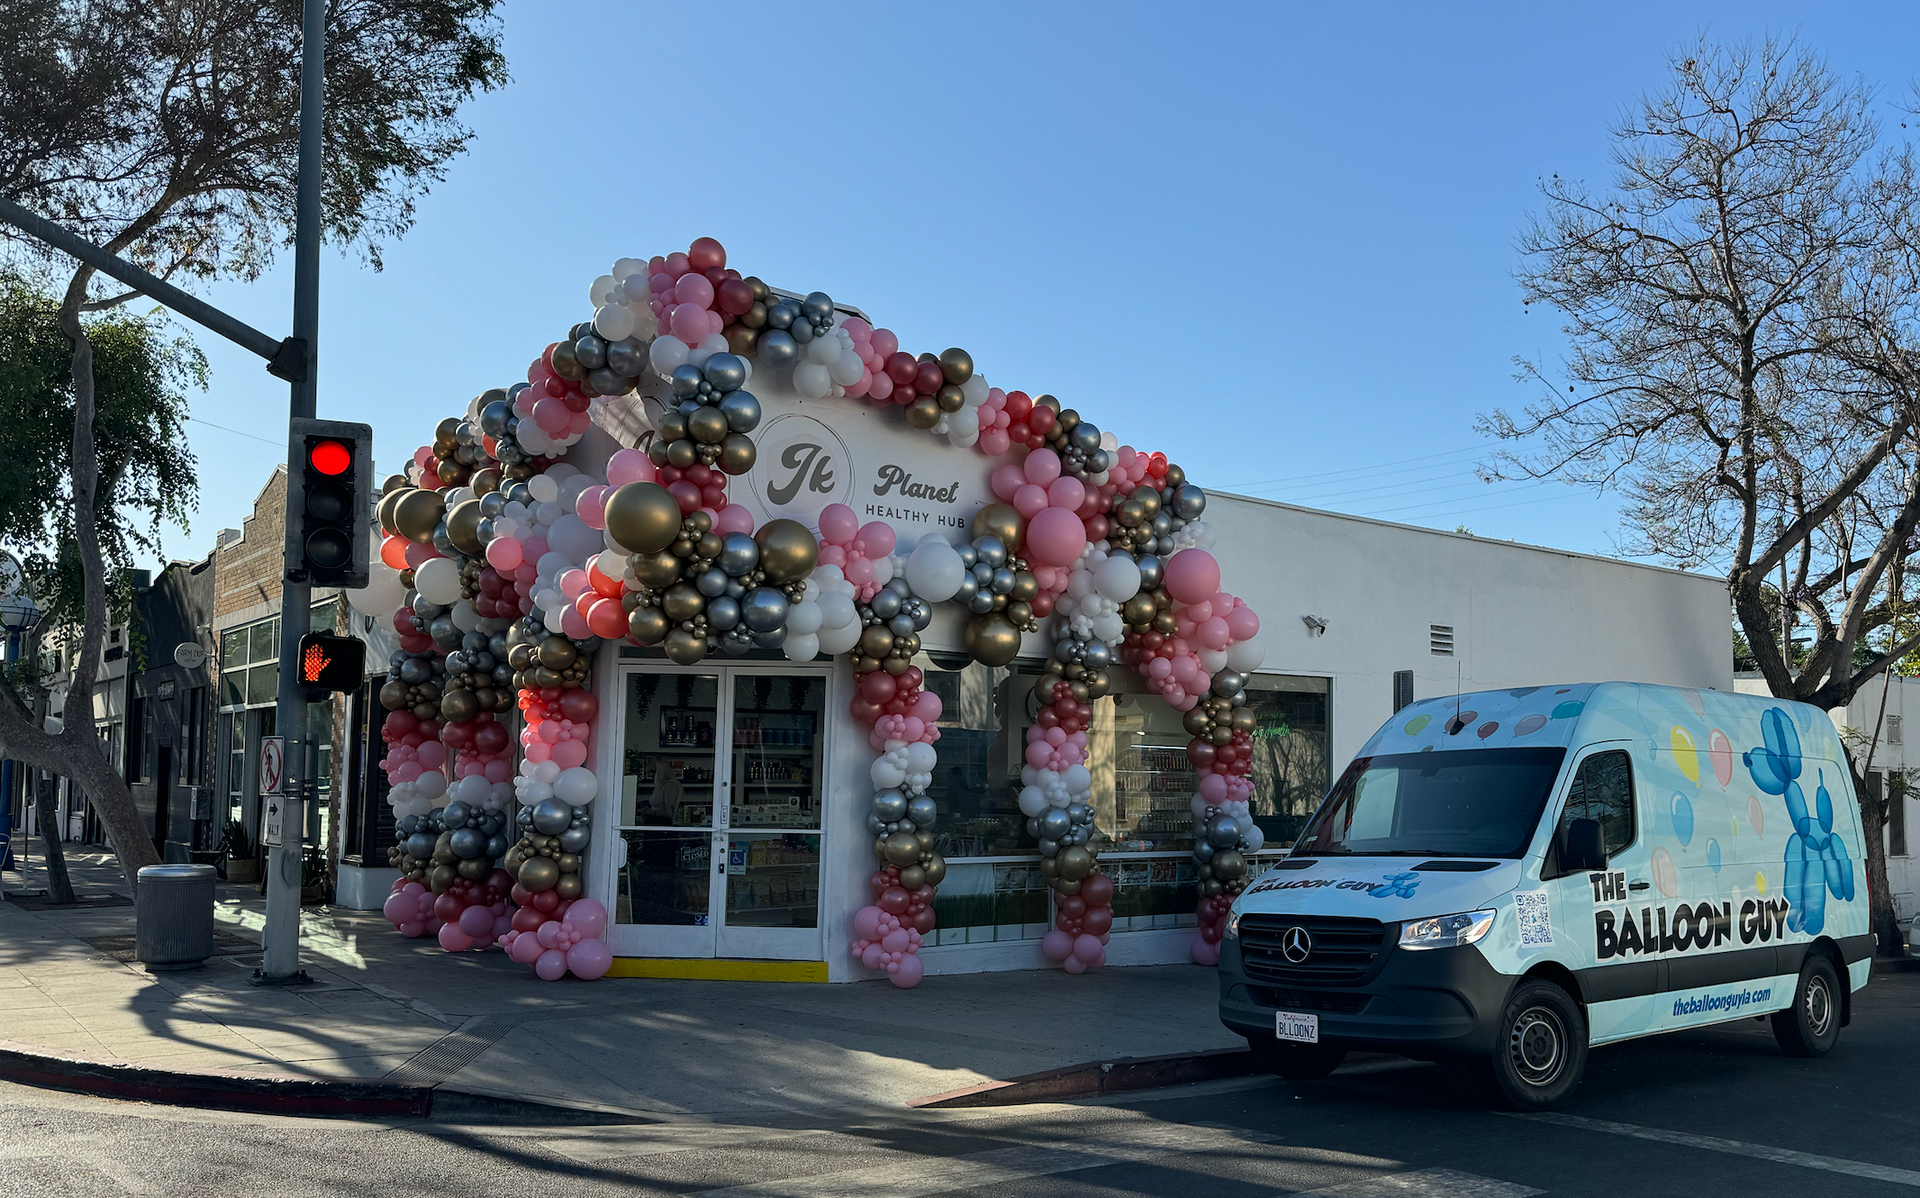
(1720, 1112)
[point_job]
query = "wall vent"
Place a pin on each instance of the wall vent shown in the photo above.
(1440, 639)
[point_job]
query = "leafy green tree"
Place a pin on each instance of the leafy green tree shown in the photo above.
(167, 131)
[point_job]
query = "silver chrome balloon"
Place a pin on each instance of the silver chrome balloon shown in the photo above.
(726, 372)
(739, 553)
(890, 805)
(764, 610)
(1189, 502)
(741, 409)
(551, 817)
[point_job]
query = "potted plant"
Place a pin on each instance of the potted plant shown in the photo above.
(243, 863)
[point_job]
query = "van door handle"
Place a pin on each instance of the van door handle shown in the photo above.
(1639, 884)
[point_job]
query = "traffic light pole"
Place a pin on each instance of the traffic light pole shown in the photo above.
(280, 939)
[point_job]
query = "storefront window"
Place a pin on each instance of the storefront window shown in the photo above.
(1292, 753)
(985, 713)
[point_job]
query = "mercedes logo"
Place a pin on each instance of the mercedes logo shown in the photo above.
(1295, 945)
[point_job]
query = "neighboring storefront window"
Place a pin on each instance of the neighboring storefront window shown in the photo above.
(1143, 787)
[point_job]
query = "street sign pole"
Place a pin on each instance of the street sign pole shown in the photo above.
(280, 939)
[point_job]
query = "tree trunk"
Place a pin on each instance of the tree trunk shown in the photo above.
(1873, 831)
(59, 886)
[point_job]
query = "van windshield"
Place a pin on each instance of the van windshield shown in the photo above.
(1465, 803)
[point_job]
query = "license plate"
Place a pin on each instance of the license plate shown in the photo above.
(1303, 1028)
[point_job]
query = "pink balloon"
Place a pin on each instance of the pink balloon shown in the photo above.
(551, 965)
(569, 753)
(1074, 965)
(551, 415)
(432, 754)
(1030, 500)
(885, 343)
(1243, 623)
(1086, 947)
(413, 929)
(453, 939)
(590, 959)
(1041, 467)
(1007, 481)
(895, 941)
(733, 518)
(503, 553)
(876, 539)
(993, 442)
(477, 922)
(875, 957)
(526, 949)
(1067, 492)
(689, 323)
(1213, 634)
(1204, 953)
(592, 507)
(859, 570)
(549, 933)
(398, 907)
(1213, 788)
(694, 288)
(909, 972)
(587, 917)
(1057, 945)
(1192, 576)
(629, 466)
(575, 625)
(838, 524)
(866, 923)
(1055, 536)
(1038, 754)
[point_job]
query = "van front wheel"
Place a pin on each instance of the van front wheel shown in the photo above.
(1811, 1026)
(1541, 1050)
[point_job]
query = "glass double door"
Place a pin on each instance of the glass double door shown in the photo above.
(720, 813)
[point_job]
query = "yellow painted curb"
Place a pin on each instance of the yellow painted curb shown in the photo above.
(700, 969)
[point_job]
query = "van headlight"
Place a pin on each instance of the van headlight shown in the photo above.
(1445, 931)
(1233, 925)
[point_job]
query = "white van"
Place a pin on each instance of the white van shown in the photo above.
(1511, 876)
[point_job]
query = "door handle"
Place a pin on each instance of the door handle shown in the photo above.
(1639, 884)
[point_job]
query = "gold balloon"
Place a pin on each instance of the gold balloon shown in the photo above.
(957, 366)
(950, 398)
(569, 886)
(787, 550)
(395, 482)
(539, 873)
(742, 340)
(682, 454)
(441, 878)
(876, 640)
(991, 641)
(1220, 734)
(1244, 720)
(389, 502)
(1148, 499)
(458, 706)
(557, 653)
(447, 429)
(393, 694)
(913, 877)
(1025, 587)
(473, 869)
(935, 869)
(923, 412)
(418, 514)
(1075, 862)
(463, 528)
(1140, 609)
(648, 625)
(684, 647)
(1000, 520)
(683, 601)
(737, 454)
(903, 849)
(485, 481)
(672, 427)
(657, 571)
(707, 426)
(1196, 721)
(643, 517)
(566, 363)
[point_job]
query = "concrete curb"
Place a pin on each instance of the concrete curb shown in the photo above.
(259, 1094)
(1099, 1077)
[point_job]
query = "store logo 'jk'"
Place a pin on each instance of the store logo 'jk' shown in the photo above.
(810, 466)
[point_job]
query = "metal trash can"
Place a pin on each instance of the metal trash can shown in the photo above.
(173, 916)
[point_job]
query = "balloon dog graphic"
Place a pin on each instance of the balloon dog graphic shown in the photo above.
(1814, 853)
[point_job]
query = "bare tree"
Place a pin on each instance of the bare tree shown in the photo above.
(167, 131)
(1740, 305)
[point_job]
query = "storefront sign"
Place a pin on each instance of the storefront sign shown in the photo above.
(813, 453)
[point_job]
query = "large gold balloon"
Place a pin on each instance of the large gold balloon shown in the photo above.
(485, 481)
(1075, 862)
(458, 706)
(991, 641)
(1000, 520)
(389, 502)
(683, 601)
(903, 848)
(913, 877)
(957, 366)
(642, 517)
(648, 625)
(393, 694)
(787, 550)
(924, 412)
(1140, 609)
(539, 873)
(463, 528)
(557, 653)
(566, 363)
(684, 647)
(1244, 720)
(742, 340)
(657, 571)
(737, 453)
(876, 640)
(569, 886)
(418, 514)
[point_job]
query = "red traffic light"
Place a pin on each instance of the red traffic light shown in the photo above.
(330, 457)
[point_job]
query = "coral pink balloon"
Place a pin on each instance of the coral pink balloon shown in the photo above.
(549, 933)
(909, 972)
(526, 948)
(1055, 536)
(1030, 500)
(629, 466)
(1214, 634)
(694, 289)
(1243, 623)
(551, 965)
(838, 524)
(733, 518)
(590, 959)
(503, 553)
(592, 507)
(1042, 467)
(569, 753)
(607, 618)
(885, 343)
(1192, 576)
(398, 908)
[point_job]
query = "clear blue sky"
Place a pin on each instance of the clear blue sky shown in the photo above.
(1275, 241)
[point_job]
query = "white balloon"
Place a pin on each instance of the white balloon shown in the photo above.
(804, 619)
(974, 390)
(1033, 801)
(846, 370)
(1118, 579)
(800, 646)
(471, 789)
(464, 617)
(812, 380)
(599, 290)
(431, 784)
(613, 322)
(630, 266)
(383, 593)
(576, 785)
(554, 618)
(1243, 657)
(1212, 660)
(571, 537)
(1077, 778)
(544, 488)
(824, 350)
(546, 771)
(886, 773)
(837, 609)
(921, 758)
(934, 571)
(1255, 838)
(839, 638)
(666, 352)
(438, 580)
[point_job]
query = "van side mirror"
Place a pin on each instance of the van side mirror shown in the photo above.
(1583, 847)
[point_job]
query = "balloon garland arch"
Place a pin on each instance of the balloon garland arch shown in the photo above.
(503, 567)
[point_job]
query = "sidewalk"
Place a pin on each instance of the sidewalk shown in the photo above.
(383, 1007)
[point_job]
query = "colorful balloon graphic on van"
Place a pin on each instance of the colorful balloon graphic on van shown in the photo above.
(1685, 755)
(1816, 861)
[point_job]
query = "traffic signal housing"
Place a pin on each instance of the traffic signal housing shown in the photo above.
(329, 501)
(331, 663)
